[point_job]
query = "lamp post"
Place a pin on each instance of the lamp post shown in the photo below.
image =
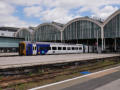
(115, 47)
(55, 38)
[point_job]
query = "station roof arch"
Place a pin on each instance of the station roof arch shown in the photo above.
(84, 19)
(26, 29)
(111, 17)
(51, 24)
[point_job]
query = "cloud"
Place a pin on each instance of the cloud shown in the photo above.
(33, 11)
(56, 14)
(54, 10)
(24, 2)
(61, 10)
(105, 12)
(6, 9)
(7, 18)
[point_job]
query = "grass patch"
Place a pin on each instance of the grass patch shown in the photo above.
(1, 77)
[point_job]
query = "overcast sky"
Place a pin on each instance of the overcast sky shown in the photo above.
(24, 13)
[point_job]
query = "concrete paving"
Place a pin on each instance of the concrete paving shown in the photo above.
(8, 54)
(114, 85)
(108, 82)
(20, 61)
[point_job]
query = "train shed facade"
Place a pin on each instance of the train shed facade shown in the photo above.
(49, 32)
(111, 28)
(83, 30)
(25, 33)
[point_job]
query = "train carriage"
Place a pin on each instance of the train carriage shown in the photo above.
(43, 48)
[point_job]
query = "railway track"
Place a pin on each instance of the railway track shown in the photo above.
(17, 80)
(10, 81)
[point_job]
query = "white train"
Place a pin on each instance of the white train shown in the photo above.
(42, 48)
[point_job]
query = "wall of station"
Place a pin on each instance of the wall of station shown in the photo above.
(9, 44)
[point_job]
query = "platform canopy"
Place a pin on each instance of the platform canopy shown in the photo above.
(9, 42)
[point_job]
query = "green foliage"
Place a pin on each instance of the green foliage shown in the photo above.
(21, 86)
(41, 71)
(1, 77)
(30, 73)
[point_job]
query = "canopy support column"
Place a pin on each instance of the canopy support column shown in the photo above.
(102, 36)
(115, 47)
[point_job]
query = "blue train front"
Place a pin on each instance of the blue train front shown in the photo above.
(28, 48)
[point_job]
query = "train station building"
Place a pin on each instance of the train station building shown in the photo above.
(8, 41)
(84, 30)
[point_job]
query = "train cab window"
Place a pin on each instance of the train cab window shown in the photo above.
(59, 48)
(54, 48)
(64, 48)
(35, 48)
(68, 48)
(80, 48)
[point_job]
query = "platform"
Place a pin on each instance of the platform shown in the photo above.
(8, 54)
(22, 61)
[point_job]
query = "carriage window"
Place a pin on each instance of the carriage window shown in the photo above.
(76, 48)
(59, 48)
(80, 48)
(39, 48)
(68, 48)
(73, 48)
(44, 48)
(48, 48)
(64, 48)
(54, 48)
(28, 48)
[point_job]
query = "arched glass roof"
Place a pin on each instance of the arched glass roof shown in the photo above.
(82, 28)
(47, 32)
(112, 26)
(24, 33)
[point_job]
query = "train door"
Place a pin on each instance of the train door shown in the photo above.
(34, 49)
(22, 50)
